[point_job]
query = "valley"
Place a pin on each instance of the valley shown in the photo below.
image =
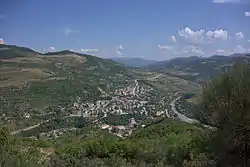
(67, 87)
(51, 102)
(63, 89)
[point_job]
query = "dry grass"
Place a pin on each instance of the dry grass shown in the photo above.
(20, 76)
(31, 59)
(11, 75)
(175, 83)
(72, 58)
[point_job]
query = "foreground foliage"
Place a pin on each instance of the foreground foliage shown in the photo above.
(169, 142)
(226, 103)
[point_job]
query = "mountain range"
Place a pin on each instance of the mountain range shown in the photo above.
(192, 68)
(197, 68)
(134, 62)
(44, 100)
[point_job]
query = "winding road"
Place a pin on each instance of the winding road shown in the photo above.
(157, 76)
(29, 128)
(184, 118)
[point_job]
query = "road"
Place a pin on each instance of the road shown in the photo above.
(136, 85)
(185, 118)
(29, 128)
(179, 115)
(157, 76)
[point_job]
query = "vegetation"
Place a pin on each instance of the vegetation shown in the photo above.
(169, 142)
(36, 83)
(226, 103)
(12, 154)
(197, 68)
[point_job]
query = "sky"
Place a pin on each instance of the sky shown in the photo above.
(149, 29)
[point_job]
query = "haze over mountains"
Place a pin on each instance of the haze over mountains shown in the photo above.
(194, 68)
(134, 62)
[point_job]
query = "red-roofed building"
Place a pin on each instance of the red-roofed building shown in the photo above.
(1, 41)
(105, 126)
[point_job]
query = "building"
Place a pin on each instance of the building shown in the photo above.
(1, 41)
(105, 126)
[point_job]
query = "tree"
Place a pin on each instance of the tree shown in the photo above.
(10, 154)
(226, 104)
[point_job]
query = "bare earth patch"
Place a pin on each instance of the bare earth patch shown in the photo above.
(31, 59)
(72, 58)
(19, 77)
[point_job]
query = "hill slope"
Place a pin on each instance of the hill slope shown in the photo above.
(169, 142)
(134, 62)
(197, 68)
(46, 93)
(31, 82)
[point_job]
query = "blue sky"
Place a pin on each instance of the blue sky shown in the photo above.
(158, 29)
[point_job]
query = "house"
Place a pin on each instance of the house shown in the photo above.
(105, 126)
(26, 115)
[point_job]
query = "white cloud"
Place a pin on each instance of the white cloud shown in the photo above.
(247, 14)
(193, 49)
(52, 48)
(119, 53)
(222, 52)
(166, 47)
(239, 35)
(68, 31)
(1, 41)
(192, 36)
(173, 38)
(119, 50)
(189, 50)
(237, 49)
(217, 34)
(89, 50)
(120, 47)
(197, 50)
(226, 1)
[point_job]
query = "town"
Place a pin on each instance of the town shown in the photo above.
(135, 98)
(118, 111)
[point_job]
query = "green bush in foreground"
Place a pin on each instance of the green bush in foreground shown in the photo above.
(169, 142)
(226, 102)
(11, 155)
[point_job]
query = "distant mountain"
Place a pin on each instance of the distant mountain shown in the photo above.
(134, 62)
(197, 68)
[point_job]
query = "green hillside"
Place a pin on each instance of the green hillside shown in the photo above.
(197, 68)
(35, 85)
(39, 83)
(166, 143)
(42, 95)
